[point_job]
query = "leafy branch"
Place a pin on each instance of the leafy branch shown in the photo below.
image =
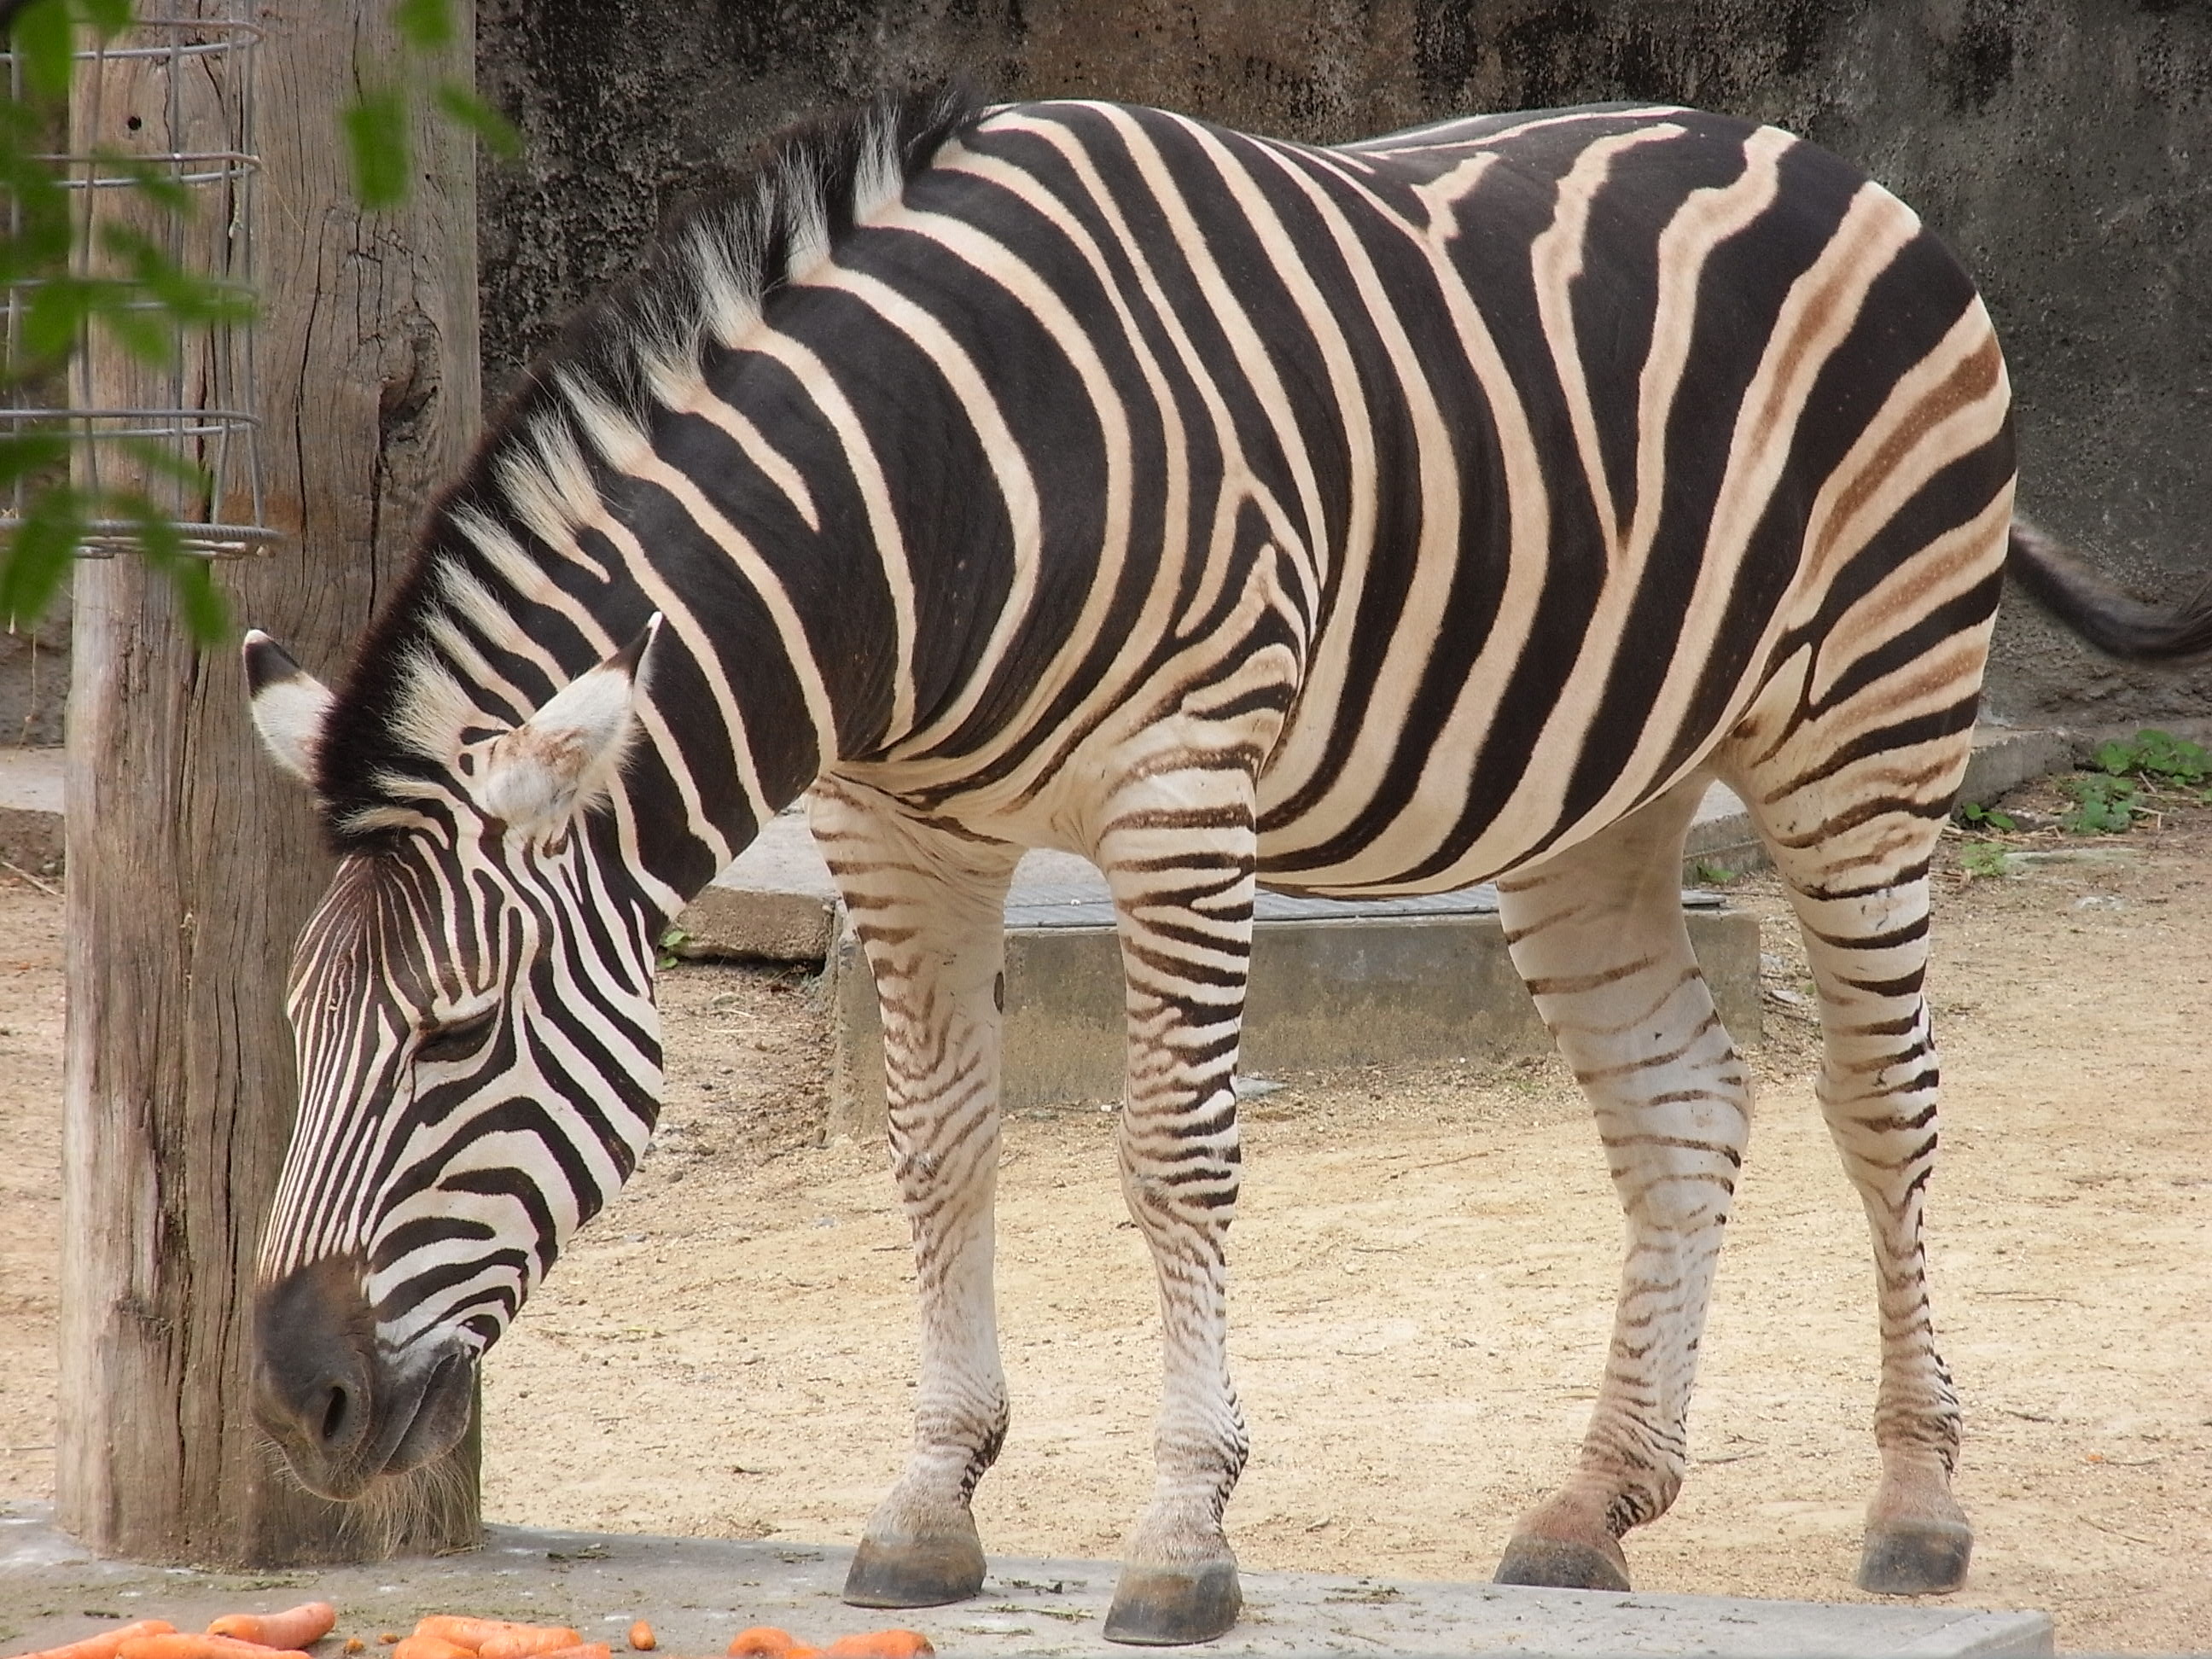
(141, 300)
(375, 125)
(126, 292)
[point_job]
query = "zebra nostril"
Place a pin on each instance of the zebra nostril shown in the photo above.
(337, 1415)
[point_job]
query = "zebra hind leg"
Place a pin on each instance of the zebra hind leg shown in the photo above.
(929, 905)
(1597, 935)
(1852, 844)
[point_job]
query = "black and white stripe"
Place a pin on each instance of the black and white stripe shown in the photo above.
(1372, 520)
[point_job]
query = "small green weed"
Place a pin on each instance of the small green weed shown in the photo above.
(673, 938)
(1984, 858)
(2103, 805)
(1975, 816)
(2157, 756)
(1713, 875)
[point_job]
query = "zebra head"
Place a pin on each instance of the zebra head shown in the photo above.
(479, 1069)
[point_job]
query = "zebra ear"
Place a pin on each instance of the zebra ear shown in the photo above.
(289, 704)
(560, 761)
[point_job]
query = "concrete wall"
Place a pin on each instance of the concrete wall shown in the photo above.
(2064, 147)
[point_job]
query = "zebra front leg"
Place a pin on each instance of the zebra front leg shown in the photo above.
(1597, 935)
(1853, 850)
(1179, 853)
(929, 905)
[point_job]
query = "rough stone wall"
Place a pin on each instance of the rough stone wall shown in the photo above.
(2064, 147)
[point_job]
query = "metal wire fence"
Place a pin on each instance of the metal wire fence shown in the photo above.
(164, 114)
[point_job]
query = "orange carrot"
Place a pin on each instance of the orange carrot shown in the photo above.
(295, 1627)
(527, 1641)
(354, 1644)
(389, 1637)
(642, 1639)
(103, 1646)
(419, 1646)
(200, 1647)
(765, 1640)
(881, 1644)
(470, 1633)
(581, 1651)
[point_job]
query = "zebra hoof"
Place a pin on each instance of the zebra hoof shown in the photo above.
(1560, 1564)
(1916, 1558)
(915, 1573)
(1170, 1607)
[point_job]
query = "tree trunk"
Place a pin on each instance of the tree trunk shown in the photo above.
(192, 862)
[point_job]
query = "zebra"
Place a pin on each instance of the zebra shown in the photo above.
(1371, 519)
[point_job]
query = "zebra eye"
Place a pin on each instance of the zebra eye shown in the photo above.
(456, 1041)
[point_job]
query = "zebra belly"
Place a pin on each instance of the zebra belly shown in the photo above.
(1444, 839)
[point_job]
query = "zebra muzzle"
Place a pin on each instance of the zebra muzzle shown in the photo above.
(344, 1411)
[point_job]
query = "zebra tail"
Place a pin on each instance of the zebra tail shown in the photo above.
(2094, 606)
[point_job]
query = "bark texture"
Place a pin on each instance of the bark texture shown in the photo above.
(192, 862)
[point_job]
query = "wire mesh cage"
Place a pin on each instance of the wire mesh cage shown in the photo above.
(159, 160)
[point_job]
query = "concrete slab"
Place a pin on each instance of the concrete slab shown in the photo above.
(31, 811)
(2004, 759)
(1721, 837)
(777, 900)
(1335, 982)
(700, 1592)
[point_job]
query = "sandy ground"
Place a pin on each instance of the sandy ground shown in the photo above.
(1424, 1262)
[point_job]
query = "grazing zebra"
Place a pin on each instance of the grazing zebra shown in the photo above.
(1373, 520)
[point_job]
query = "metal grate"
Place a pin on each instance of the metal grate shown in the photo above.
(189, 76)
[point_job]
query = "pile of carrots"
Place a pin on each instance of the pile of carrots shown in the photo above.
(767, 1642)
(235, 1636)
(288, 1634)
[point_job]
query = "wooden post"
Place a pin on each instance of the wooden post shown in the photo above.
(192, 862)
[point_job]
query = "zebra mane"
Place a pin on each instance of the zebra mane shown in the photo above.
(700, 286)
(709, 272)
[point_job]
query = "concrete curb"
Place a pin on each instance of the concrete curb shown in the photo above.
(698, 1592)
(31, 811)
(1419, 981)
(777, 901)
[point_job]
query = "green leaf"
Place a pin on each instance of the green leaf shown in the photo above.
(206, 617)
(146, 335)
(161, 545)
(188, 298)
(148, 177)
(107, 17)
(22, 453)
(40, 553)
(425, 25)
(463, 107)
(2169, 757)
(42, 36)
(53, 319)
(376, 127)
(40, 237)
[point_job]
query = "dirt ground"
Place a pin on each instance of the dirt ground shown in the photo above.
(1425, 1264)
